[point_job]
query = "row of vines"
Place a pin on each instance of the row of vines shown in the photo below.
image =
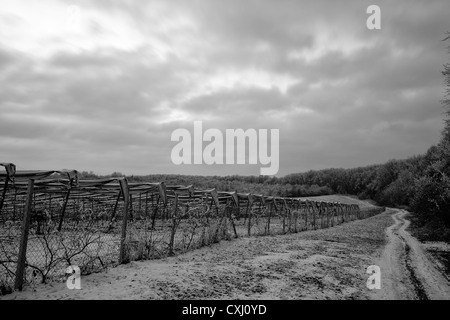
(50, 220)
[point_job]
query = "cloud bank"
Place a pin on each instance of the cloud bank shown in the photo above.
(101, 85)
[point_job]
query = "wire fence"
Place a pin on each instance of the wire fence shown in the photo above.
(50, 220)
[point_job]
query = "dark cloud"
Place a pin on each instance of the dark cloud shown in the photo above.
(341, 95)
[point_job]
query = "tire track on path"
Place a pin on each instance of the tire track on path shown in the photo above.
(406, 271)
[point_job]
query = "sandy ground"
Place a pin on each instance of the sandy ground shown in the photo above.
(321, 264)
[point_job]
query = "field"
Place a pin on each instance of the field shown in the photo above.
(297, 253)
(328, 261)
(95, 230)
(320, 264)
(316, 264)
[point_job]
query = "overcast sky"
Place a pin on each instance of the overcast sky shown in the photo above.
(101, 85)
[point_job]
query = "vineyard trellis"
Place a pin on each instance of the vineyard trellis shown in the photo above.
(50, 220)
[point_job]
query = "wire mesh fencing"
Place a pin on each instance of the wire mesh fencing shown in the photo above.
(87, 238)
(51, 220)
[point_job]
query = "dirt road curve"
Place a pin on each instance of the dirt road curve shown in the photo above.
(406, 270)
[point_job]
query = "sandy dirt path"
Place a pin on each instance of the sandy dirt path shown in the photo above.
(407, 272)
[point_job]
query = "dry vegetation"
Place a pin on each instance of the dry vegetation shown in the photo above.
(320, 264)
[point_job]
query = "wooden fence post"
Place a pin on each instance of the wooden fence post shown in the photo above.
(230, 216)
(115, 205)
(22, 258)
(139, 214)
(330, 215)
(268, 218)
(14, 205)
(155, 210)
(305, 211)
(131, 208)
(294, 215)
(248, 215)
(146, 205)
(63, 210)
(234, 205)
(174, 226)
(3, 196)
(126, 196)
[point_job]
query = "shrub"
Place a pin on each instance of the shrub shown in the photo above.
(432, 198)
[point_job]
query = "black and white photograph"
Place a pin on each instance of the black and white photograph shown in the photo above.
(224, 155)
